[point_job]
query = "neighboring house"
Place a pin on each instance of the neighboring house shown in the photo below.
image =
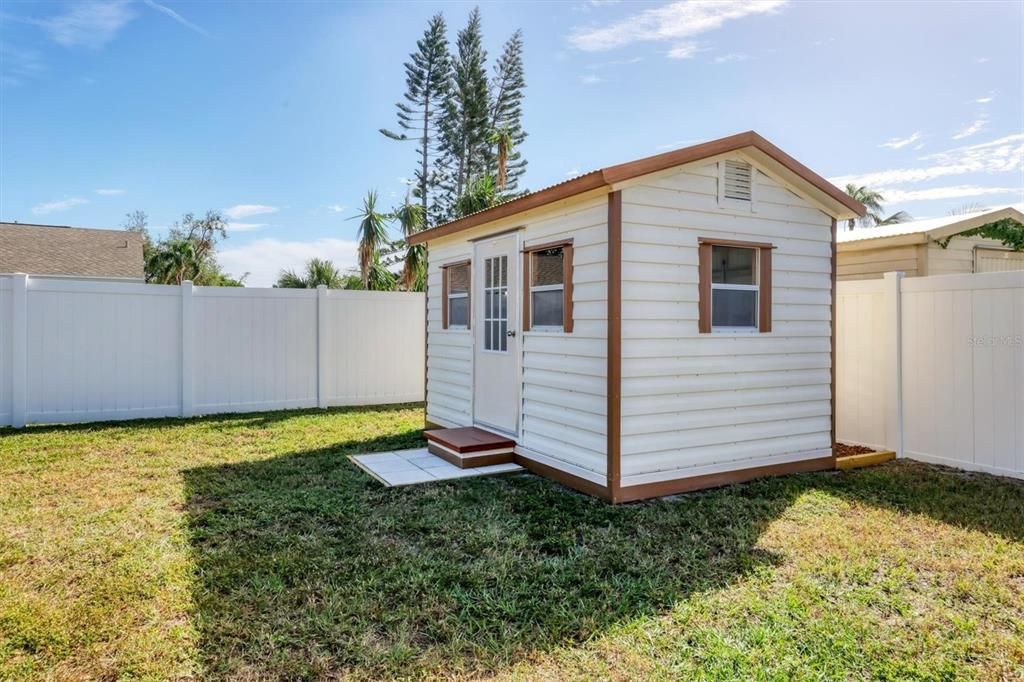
(916, 247)
(50, 250)
(648, 328)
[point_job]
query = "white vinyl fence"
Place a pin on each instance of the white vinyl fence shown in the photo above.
(80, 350)
(933, 368)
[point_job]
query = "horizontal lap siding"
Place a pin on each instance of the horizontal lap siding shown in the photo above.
(958, 257)
(449, 351)
(694, 403)
(564, 376)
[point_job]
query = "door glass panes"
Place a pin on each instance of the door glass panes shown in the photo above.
(496, 304)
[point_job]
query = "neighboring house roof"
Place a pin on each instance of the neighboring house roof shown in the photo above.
(70, 251)
(839, 204)
(922, 231)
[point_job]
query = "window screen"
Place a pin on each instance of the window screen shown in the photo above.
(458, 295)
(547, 288)
(734, 288)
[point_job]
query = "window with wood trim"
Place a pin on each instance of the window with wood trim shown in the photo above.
(547, 298)
(735, 286)
(455, 296)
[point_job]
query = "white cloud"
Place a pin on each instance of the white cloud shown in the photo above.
(982, 60)
(17, 65)
(88, 24)
(893, 195)
(731, 57)
(177, 17)
(673, 22)
(676, 145)
(983, 100)
(616, 62)
(336, 208)
(572, 173)
(264, 259)
(591, 79)
(900, 143)
(245, 227)
(971, 129)
(247, 210)
(1002, 155)
(109, 192)
(683, 51)
(57, 206)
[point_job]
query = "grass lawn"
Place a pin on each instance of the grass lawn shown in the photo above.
(250, 547)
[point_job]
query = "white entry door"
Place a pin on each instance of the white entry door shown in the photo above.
(496, 330)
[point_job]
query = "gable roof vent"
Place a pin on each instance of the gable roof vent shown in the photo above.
(736, 180)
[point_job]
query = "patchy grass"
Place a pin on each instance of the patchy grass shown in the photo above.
(249, 547)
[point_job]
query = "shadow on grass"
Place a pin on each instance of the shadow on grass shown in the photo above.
(226, 420)
(309, 568)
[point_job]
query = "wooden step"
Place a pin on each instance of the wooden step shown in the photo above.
(469, 446)
(868, 459)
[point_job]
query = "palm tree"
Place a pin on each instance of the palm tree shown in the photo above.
(317, 272)
(481, 194)
(373, 233)
(873, 201)
(502, 139)
(379, 278)
(410, 217)
(897, 217)
(175, 261)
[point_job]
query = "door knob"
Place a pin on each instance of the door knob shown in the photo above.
(510, 332)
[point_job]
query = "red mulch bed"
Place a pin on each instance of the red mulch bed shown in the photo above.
(844, 450)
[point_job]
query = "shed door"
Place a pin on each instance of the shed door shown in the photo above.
(496, 337)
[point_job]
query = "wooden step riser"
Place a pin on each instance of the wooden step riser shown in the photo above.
(471, 459)
(866, 460)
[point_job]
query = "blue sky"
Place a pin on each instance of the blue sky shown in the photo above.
(269, 111)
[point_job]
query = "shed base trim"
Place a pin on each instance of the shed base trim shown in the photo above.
(634, 493)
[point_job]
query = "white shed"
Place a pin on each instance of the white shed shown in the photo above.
(652, 327)
(933, 246)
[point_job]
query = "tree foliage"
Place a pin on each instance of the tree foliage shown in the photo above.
(188, 252)
(318, 271)
(372, 235)
(873, 200)
(506, 132)
(427, 82)
(1008, 231)
(470, 124)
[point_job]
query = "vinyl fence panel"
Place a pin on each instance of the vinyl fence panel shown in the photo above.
(954, 349)
(6, 338)
(81, 350)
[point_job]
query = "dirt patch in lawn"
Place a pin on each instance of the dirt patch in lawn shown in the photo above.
(845, 450)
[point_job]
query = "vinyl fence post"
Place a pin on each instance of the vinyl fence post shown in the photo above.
(187, 349)
(893, 362)
(19, 349)
(321, 345)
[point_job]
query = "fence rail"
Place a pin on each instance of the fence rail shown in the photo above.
(933, 368)
(81, 350)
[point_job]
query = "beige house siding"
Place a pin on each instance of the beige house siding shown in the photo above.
(563, 419)
(695, 404)
(70, 251)
(916, 260)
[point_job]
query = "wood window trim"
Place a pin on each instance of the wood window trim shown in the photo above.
(567, 249)
(444, 292)
(764, 281)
